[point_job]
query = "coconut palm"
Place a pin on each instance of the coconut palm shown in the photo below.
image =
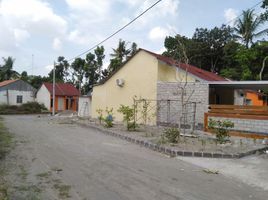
(6, 70)
(121, 52)
(247, 27)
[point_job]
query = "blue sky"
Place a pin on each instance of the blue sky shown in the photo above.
(48, 28)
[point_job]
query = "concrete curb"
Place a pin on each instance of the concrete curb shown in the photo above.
(169, 151)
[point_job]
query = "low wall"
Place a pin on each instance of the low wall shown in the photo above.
(254, 126)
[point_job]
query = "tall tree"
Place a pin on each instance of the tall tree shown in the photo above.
(99, 53)
(204, 50)
(6, 70)
(247, 27)
(61, 70)
(24, 76)
(78, 67)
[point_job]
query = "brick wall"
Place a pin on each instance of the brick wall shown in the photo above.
(195, 91)
(246, 125)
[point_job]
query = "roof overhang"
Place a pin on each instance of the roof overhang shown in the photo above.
(255, 85)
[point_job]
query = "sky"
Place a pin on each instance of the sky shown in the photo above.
(36, 32)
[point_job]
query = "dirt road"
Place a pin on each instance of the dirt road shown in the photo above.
(65, 161)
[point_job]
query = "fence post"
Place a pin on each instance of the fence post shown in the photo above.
(194, 117)
(168, 111)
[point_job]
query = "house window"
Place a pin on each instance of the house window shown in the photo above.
(51, 103)
(19, 98)
(248, 102)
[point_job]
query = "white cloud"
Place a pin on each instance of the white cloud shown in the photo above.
(161, 50)
(57, 44)
(163, 9)
(28, 17)
(21, 35)
(230, 15)
(158, 33)
(49, 67)
(91, 7)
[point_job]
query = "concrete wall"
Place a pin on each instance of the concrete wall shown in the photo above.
(11, 99)
(167, 73)
(140, 76)
(84, 106)
(43, 96)
(247, 125)
(197, 91)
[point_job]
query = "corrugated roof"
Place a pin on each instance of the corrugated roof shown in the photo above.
(200, 73)
(63, 89)
(4, 83)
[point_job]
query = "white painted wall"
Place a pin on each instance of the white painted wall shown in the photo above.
(84, 107)
(43, 96)
(27, 96)
(239, 97)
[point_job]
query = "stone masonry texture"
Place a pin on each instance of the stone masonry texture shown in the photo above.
(171, 111)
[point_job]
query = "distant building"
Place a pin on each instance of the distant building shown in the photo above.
(66, 96)
(16, 92)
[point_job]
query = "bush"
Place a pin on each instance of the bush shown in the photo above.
(221, 128)
(109, 118)
(172, 135)
(27, 108)
(128, 117)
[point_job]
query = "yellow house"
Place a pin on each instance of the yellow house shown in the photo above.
(139, 77)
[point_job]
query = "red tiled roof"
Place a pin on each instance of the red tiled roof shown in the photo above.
(62, 89)
(4, 83)
(202, 74)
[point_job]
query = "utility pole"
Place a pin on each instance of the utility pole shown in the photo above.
(53, 109)
(263, 65)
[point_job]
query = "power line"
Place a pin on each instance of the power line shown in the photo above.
(119, 30)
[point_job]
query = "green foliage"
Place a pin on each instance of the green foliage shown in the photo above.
(61, 70)
(109, 118)
(121, 54)
(172, 135)
(6, 70)
(205, 49)
(100, 115)
(247, 27)
(5, 141)
(128, 116)
(221, 129)
(27, 108)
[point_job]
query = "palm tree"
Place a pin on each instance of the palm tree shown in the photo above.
(121, 52)
(6, 70)
(247, 27)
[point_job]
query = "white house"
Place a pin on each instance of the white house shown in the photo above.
(16, 92)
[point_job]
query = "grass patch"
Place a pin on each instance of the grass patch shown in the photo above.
(5, 140)
(64, 190)
(5, 146)
(44, 175)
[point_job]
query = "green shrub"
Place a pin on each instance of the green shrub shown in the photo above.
(221, 128)
(109, 118)
(26, 108)
(172, 135)
(128, 117)
(100, 115)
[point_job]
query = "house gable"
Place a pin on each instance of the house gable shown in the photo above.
(139, 75)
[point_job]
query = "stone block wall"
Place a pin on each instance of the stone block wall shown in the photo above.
(197, 92)
(246, 125)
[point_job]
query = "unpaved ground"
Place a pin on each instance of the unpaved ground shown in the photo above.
(65, 161)
(201, 142)
(251, 170)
